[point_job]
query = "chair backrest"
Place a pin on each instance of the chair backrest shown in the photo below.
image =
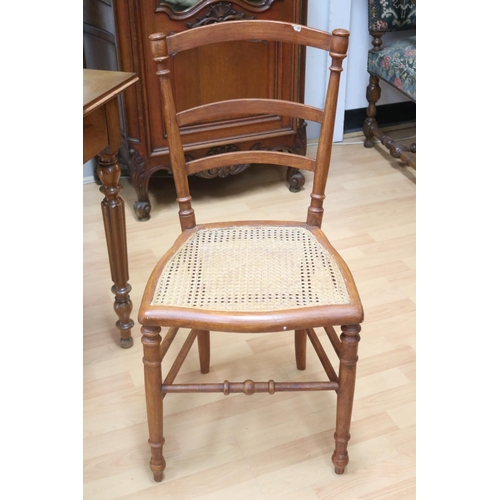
(391, 15)
(271, 31)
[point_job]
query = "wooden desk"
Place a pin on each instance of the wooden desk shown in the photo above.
(102, 138)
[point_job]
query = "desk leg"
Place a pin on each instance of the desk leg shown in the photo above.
(113, 214)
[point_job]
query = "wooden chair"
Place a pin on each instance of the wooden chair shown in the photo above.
(395, 63)
(252, 276)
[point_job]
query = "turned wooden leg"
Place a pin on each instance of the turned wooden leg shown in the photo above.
(113, 213)
(154, 397)
(372, 96)
(300, 349)
(204, 350)
(347, 374)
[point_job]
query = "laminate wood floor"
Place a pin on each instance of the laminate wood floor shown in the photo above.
(260, 447)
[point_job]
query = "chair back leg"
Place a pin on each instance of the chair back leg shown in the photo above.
(204, 350)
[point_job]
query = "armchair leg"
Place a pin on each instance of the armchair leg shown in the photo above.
(154, 397)
(372, 96)
(347, 374)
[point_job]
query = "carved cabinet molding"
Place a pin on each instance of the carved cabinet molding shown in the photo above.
(279, 74)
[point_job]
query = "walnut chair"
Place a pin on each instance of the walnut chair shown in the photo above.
(252, 276)
(395, 63)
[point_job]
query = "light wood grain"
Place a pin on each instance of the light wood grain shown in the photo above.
(263, 447)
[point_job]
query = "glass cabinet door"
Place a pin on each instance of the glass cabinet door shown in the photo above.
(180, 4)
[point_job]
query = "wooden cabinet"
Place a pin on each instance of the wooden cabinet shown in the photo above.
(201, 76)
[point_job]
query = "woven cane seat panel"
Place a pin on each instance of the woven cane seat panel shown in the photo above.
(251, 269)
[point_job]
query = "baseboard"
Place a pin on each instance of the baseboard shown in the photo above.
(387, 116)
(89, 179)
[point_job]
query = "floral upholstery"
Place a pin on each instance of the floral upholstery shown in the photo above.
(392, 59)
(396, 64)
(391, 15)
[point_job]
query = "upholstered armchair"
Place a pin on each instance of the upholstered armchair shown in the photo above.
(395, 63)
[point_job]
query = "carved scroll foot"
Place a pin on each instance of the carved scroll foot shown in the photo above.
(295, 179)
(142, 210)
(140, 180)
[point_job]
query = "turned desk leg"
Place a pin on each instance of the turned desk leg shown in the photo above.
(113, 214)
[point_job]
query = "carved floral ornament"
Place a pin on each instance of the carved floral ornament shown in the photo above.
(391, 15)
(183, 8)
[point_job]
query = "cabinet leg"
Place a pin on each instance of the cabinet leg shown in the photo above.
(142, 209)
(140, 181)
(295, 179)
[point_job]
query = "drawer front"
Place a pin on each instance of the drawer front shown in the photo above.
(95, 134)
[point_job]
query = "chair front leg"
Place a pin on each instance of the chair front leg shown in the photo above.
(154, 397)
(347, 375)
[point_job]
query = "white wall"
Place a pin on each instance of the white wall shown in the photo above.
(326, 16)
(88, 171)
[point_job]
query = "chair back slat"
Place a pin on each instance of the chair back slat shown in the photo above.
(272, 31)
(234, 108)
(250, 157)
(163, 47)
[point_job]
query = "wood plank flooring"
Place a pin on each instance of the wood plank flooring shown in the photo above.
(261, 447)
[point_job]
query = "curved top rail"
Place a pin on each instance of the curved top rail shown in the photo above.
(276, 31)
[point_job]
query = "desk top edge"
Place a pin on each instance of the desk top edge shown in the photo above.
(101, 86)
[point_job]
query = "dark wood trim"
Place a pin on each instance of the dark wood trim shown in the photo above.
(387, 115)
